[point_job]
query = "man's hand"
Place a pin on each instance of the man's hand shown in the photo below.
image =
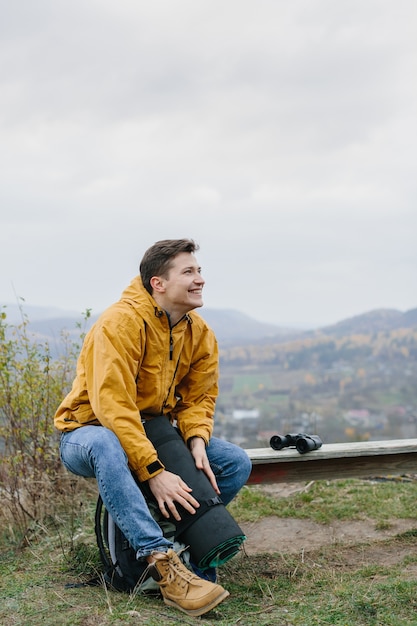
(168, 489)
(198, 450)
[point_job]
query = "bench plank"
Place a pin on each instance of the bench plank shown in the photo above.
(336, 460)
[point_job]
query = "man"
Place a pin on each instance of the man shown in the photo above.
(149, 355)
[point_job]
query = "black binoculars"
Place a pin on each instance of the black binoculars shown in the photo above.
(304, 443)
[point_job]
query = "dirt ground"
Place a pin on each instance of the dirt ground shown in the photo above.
(271, 534)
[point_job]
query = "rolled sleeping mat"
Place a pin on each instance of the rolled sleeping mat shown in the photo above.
(213, 536)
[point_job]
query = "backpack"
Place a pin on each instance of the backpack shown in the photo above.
(212, 534)
(122, 571)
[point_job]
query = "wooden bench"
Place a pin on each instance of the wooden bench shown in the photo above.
(334, 460)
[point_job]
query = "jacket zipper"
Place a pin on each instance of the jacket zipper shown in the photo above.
(171, 352)
(171, 344)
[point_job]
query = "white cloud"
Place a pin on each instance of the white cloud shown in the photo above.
(280, 135)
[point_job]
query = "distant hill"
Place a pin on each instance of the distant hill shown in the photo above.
(48, 323)
(232, 327)
(373, 322)
(14, 312)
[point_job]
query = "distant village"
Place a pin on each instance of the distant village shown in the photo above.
(244, 427)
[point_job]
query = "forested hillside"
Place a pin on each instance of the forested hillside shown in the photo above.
(353, 380)
(348, 386)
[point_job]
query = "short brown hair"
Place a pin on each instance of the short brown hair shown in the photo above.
(157, 259)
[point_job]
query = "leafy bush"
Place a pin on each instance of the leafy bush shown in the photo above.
(32, 385)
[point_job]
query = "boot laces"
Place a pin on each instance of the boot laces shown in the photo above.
(178, 569)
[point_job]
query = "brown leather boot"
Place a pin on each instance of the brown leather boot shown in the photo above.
(183, 589)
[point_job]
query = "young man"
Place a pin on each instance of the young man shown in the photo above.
(149, 355)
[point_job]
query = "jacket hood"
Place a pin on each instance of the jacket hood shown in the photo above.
(137, 295)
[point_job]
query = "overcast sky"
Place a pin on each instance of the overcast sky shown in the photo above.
(279, 134)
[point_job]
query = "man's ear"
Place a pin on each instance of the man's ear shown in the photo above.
(157, 284)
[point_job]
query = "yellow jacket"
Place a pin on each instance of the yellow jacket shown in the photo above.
(133, 366)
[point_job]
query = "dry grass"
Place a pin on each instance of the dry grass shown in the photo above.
(369, 583)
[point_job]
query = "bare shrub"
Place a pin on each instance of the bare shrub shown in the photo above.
(32, 384)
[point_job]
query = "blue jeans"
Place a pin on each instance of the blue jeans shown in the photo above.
(95, 451)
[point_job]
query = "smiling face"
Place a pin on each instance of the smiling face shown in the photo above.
(180, 290)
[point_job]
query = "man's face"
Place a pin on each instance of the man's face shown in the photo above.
(183, 287)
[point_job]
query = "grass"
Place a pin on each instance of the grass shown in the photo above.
(324, 501)
(366, 584)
